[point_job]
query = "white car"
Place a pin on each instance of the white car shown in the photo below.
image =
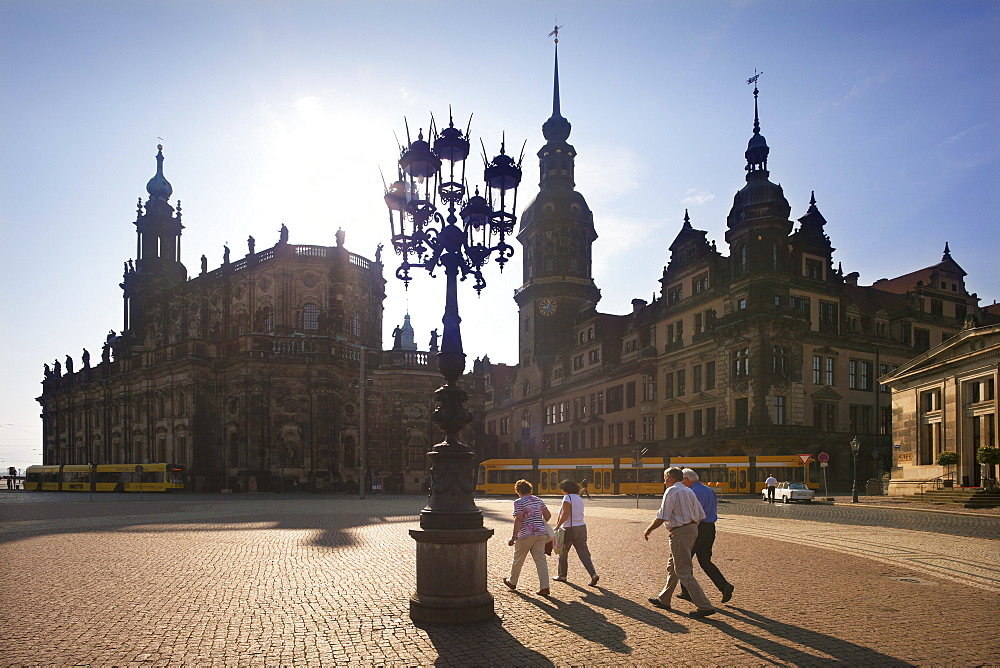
(790, 491)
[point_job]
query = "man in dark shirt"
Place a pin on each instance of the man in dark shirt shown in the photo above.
(706, 536)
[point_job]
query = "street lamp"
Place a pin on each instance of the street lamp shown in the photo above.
(451, 541)
(855, 446)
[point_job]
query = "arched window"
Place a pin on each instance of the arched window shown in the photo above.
(310, 317)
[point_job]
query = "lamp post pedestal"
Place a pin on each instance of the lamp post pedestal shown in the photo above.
(451, 540)
(451, 577)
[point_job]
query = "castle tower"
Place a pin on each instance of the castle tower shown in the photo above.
(556, 233)
(758, 222)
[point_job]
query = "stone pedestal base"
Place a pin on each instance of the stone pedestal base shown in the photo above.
(451, 577)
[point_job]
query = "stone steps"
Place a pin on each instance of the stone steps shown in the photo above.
(966, 497)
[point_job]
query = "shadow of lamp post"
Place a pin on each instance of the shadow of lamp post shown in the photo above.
(451, 541)
(855, 446)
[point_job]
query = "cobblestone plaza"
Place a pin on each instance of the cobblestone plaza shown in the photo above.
(311, 580)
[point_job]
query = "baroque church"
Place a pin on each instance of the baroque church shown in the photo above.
(765, 347)
(266, 373)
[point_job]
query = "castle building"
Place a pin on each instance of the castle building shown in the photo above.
(764, 348)
(249, 375)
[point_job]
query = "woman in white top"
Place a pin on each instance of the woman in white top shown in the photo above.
(571, 520)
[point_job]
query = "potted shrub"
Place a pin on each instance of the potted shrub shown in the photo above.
(949, 459)
(989, 456)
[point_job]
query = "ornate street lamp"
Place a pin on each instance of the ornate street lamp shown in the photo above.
(855, 446)
(451, 541)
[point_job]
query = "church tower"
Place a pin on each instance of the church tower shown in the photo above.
(157, 265)
(556, 233)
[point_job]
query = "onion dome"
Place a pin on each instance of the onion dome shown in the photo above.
(158, 187)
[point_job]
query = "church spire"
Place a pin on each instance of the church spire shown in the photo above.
(557, 128)
(757, 150)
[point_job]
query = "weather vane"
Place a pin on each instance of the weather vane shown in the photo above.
(555, 33)
(753, 79)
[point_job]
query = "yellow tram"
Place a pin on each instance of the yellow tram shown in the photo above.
(744, 474)
(105, 478)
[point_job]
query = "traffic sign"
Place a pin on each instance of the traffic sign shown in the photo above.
(805, 458)
(823, 457)
(824, 464)
(637, 463)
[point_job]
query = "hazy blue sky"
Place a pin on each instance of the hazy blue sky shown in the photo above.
(283, 112)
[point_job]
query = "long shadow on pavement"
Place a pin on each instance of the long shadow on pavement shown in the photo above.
(840, 651)
(584, 621)
(480, 644)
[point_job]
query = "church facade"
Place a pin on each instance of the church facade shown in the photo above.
(266, 373)
(762, 347)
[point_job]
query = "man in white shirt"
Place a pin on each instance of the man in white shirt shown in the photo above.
(680, 511)
(770, 483)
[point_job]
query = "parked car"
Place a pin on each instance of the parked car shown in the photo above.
(790, 491)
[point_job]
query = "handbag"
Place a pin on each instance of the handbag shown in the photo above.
(550, 544)
(559, 544)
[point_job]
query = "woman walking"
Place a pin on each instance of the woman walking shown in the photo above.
(529, 535)
(571, 520)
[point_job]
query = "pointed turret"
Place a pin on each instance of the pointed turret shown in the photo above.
(689, 245)
(759, 198)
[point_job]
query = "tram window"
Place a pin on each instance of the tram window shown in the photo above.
(597, 480)
(607, 479)
(553, 481)
(503, 477)
(743, 478)
(732, 478)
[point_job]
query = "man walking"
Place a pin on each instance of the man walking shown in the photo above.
(770, 483)
(681, 512)
(706, 536)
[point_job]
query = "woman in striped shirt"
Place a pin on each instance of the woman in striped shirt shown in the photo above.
(529, 535)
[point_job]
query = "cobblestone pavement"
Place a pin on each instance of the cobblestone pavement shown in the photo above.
(282, 580)
(956, 521)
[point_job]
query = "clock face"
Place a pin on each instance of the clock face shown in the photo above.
(547, 306)
(416, 411)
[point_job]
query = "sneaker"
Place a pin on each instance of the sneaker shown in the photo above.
(703, 612)
(509, 585)
(727, 593)
(593, 580)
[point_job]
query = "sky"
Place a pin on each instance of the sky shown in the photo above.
(284, 112)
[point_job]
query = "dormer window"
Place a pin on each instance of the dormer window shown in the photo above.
(814, 269)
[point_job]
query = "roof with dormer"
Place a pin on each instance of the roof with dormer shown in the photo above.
(923, 277)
